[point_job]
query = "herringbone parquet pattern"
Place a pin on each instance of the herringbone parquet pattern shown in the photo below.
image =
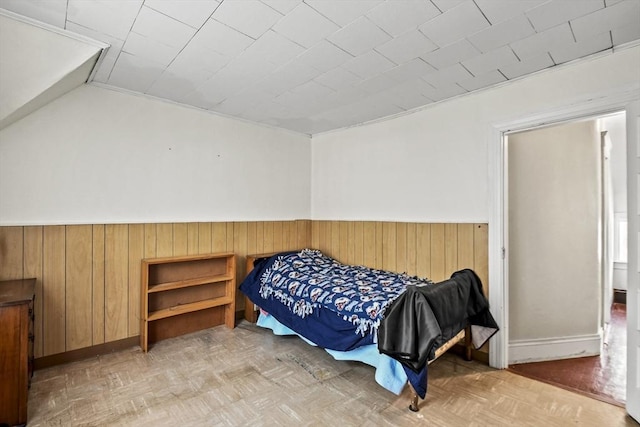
(247, 376)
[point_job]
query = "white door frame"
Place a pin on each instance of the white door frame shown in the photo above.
(599, 104)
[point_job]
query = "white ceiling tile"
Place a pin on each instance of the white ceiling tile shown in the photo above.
(447, 75)
(288, 76)
(625, 34)
(445, 5)
(134, 73)
(52, 12)
(103, 16)
(312, 89)
(557, 12)
(611, 2)
(500, 10)
(338, 78)
(221, 38)
(305, 26)
(455, 24)
(603, 20)
(242, 101)
(451, 54)
(174, 87)
(406, 47)
(272, 48)
(542, 42)
(162, 28)
(502, 34)
(368, 64)
(410, 70)
(444, 91)
(250, 17)
(324, 56)
(193, 57)
(528, 65)
(191, 12)
(573, 51)
(409, 94)
(490, 61)
(282, 6)
(484, 80)
(396, 17)
(342, 12)
(150, 49)
(359, 37)
(378, 83)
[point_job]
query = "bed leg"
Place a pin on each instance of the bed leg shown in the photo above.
(467, 343)
(413, 406)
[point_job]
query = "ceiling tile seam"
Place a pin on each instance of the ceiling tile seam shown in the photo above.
(325, 16)
(573, 34)
(123, 42)
(436, 6)
(482, 12)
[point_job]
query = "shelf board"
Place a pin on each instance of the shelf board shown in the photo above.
(189, 282)
(188, 308)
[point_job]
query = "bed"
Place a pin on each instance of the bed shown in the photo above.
(395, 322)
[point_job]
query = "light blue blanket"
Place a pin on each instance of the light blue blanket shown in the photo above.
(389, 372)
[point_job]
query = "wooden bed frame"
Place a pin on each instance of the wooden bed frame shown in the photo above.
(251, 315)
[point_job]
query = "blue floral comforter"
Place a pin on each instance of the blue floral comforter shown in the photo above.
(308, 280)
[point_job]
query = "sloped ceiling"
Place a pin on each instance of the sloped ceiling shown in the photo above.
(317, 65)
(38, 65)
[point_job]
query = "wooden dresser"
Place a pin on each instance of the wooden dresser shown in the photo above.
(16, 348)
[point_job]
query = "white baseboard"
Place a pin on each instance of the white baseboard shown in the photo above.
(537, 350)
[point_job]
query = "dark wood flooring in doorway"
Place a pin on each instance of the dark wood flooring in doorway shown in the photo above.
(601, 377)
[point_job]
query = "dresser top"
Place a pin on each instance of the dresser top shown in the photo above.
(13, 292)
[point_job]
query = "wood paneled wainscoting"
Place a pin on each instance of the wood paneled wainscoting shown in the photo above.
(88, 276)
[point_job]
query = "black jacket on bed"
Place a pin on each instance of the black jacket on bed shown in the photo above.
(424, 317)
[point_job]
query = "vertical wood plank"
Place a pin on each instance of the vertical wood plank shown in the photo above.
(180, 239)
(450, 249)
(230, 227)
(358, 243)
(116, 282)
(136, 253)
(481, 254)
(437, 252)
(411, 248)
(389, 246)
(401, 247)
(53, 281)
(164, 240)
(260, 238)
(351, 242)
(205, 234)
(277, 236)
(240, 230)
(150, 239)
(251, 239)
(268, 237)
(11, 253)
(379, 245)
(325, 237)
(78, 289)
(344, 242)
(369, 244)
(192, 238)
(315, 235)
(98, 283)
(335, 240)
(465, 246)
(33, 268)
(218, 237)
(423, 250)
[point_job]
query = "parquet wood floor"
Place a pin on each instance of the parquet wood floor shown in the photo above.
(247, 376)
(602, 377)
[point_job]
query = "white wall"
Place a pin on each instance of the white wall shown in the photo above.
(432, 165)
(554, 225)
(101, 156)
(615, 125)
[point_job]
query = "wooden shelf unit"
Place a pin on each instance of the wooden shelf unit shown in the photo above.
(185, 294)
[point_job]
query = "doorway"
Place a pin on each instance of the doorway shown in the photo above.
(561, 199)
